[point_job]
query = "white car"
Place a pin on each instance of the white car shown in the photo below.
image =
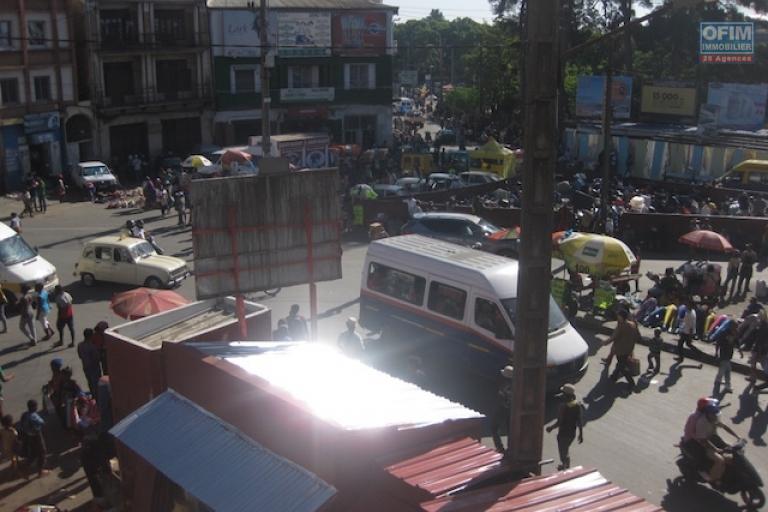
(128, 260)
(94, 172)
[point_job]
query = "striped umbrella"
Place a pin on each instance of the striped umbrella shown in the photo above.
(143, 302)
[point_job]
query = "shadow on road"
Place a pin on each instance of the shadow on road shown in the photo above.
(82, 294)
(674, 374)
(749, 408)
(684, 497)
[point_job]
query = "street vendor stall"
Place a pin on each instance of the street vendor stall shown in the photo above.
(493, 157)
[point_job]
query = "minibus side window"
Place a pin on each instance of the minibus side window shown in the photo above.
(396, 283)
(447, 300)
(489, 317)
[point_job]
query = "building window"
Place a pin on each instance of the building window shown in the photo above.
(170, 26)
(118, 81)
(447, 300)
(173, 76)
(359, 76)
(117, 26)
(301, 77)
(36, 32)
(5, 34)
(42, 88)
(9, 91)
(245, 79)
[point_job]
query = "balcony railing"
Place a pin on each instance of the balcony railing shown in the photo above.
(130, 41)
(152, 97)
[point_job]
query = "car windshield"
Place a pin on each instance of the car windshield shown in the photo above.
(100, 170)
(556, 317)
(142, 250)
(15, 250)
(488, 227)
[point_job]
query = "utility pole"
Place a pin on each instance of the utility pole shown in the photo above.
(266, 100)
(606, 183)
(526, 423)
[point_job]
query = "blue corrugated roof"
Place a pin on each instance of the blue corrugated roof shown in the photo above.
(215, 462)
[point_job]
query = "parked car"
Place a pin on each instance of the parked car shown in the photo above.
(94, 172)
(442, 181)
(128, 260)
(478, 177)
(385, 191)
(463, 229)
(445, 137)
(411, 184)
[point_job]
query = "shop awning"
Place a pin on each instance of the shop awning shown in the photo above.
(215, 462)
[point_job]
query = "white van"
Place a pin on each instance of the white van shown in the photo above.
(457, 305)
(20, 265)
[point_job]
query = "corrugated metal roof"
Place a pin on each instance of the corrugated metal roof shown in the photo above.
(304, 4)
(450, 467)
(341, 390)
(226, 470)
(575, 490)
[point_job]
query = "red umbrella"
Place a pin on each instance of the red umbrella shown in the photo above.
(143, 302)
(708, 240)
(234, 155)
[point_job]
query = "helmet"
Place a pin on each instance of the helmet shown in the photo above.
(712, 408)
(704, 401)
(140, 223)
(129, 224)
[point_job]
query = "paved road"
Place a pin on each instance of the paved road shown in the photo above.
(628, 438)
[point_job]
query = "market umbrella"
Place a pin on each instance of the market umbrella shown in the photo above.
(196, 161)
(596, 255)
(143, 302)
(506, 234)
(362, 191)
(705, 239)
(234, 155)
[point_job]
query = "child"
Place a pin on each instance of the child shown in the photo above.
(654, 351)
(16, 222)
(9, 441)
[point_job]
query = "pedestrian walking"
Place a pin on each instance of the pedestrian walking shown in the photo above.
(731, 276)
(27, 200)
(27, 315)
(748, 259)
(500, 416)
(4, 377)
(281, 332)
(90, 358)
(654, 351)
(34, 192)
(32, 427)
(3, 304)
(43, 307)
(61, 188)
(65, 317)
(349, 341)
(569, 419)
(297, 325)
(165, 201)
(724, 354)
(42, 196)
(99, 340)
(91, 189)
(180, 203)
(15, 222)
(9, 442)
(686, 331)
(624, 338)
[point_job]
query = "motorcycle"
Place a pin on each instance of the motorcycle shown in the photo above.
(740, 475)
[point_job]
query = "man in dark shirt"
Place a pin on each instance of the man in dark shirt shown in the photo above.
(568, 420)
(297, 325)
(501, 414)
(724, 353)
(748, 259)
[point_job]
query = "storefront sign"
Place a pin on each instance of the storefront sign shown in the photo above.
(308, 94)
(409, 78)
(237, 32)
(741, 106)
(41, 122)
(590, 94)
(304, 34)
(668, 100)
(360, 33)
(307, 113)
(731, 42)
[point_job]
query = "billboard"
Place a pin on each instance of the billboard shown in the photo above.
(304, 34)
(741, 106)
(362, 33)
(590, 92)
(726, 42)
(253, 233)
(235, 33)
(409, 78)
(668, 100)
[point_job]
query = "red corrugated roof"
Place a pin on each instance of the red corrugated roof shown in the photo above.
(449, 467)
(575, 490)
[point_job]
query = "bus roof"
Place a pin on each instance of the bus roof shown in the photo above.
(454, 262)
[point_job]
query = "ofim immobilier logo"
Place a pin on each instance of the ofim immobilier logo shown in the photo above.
(726, 42)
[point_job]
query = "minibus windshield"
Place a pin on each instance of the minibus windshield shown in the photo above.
(15, 250)
(556, 317)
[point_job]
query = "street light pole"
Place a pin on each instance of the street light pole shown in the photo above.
(266, 100)
(606, 184)
(526, 424)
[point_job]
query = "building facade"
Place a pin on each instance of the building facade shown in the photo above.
(148, 68)
(331, 69)
(37, 84)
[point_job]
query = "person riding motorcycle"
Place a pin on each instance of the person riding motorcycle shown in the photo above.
(700, 436)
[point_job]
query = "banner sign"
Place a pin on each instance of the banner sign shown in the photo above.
(741, 106)
(359, 33)
(409, 78)
(590, 93)
(235, 33)
(307, 94)
(304, 34)
(668, 100)
(41, 122)
(726, 42)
